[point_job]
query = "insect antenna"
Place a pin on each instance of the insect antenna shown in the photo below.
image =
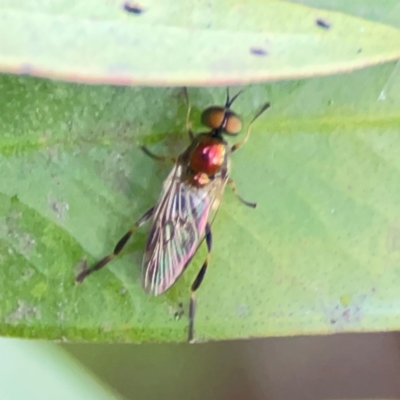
(229, 101)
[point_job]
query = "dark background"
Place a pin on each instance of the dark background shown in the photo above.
(343, 366)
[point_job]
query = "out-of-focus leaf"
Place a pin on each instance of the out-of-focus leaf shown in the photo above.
(41, 371)
(387, 12)
(181, 42)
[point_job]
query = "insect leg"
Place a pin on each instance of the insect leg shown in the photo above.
(157, 157)
(188, 125)
(120, 245)
(197, 282)
(246, 138)
(232, 183)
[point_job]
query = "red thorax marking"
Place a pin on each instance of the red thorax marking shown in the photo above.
(207, 157)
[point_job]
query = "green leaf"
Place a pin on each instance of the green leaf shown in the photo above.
(387, 12)
(320, 254)
(191, 43)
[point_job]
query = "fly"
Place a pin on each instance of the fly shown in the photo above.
(182, 216)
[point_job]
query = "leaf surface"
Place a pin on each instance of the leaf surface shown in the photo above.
(319, 254)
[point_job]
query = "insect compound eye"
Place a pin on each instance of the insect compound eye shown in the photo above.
(233, 124)
(214, 117)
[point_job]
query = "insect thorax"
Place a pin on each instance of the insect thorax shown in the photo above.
(205, 158)
(207, 155)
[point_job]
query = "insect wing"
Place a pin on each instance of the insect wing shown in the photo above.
(179, 221)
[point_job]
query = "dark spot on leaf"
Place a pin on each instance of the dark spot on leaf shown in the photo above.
(359, 50)
(333, 321)
(323, 23)
(258, 51)
(133, 8)
(179, 312)
(14, 199)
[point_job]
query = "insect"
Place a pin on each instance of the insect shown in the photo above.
(190, 197)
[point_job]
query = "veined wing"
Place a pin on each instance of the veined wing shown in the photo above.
(179, 221)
